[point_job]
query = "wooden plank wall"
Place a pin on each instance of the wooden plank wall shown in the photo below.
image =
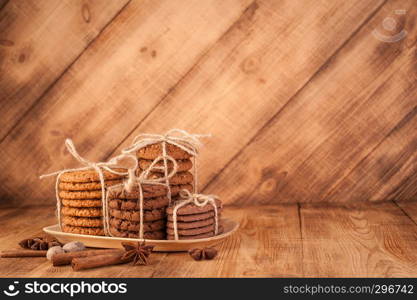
(305, 104)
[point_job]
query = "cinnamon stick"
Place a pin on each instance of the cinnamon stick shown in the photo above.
(89, 262)
(23, 253)
(62, 259)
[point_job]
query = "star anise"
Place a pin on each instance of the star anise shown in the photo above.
(137, 253)
(39, 243)
(204, 253)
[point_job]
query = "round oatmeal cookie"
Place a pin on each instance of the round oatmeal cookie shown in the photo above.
(148, 204)
(192, 231)
(86, 186)
(182, 165)
(82, 222)
(150, 235)
(81, 203)
(193, 218)
(149, 191)
(191, 225)
(90, 176)
(83, 230)
(151, 152)
(134, 226)
(81, 212)
(80, 195)
(134, 215)
(198, 236)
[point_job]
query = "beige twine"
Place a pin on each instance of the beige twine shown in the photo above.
(177, 137)
(98, 167)
(199, 200)
(139, 181)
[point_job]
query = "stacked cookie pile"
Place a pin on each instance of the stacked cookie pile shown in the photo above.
(194, 222)
(80, 194)
(183, 179)
(124, 211)
(140, 206)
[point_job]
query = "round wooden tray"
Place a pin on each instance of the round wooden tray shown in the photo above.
(230, 227)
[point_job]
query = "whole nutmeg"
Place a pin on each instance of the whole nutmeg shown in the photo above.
(73, 247)
(54, 250)
(196, 254)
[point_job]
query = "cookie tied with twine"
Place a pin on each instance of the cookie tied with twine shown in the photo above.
(185, 141)
(110, 166)
(198, 200)
(135, 184)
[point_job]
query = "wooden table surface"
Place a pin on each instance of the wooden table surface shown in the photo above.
(377, 240)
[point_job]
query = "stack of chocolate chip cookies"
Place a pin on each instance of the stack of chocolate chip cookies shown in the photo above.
(81, 200)
(183, 179)
(194, 222)
(124, 211)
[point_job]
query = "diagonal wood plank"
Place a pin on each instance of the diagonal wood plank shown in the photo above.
(331, 124)
(3, 3)
(131, 66)
(389, 171)
(368, 241)
(39, 40)
(321, 154)
(255, 68)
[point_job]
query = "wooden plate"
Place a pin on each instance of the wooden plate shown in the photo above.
(229, 226)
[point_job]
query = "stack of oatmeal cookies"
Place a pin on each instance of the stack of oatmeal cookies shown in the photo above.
(124, 211)
(84, 208)
(183, 179)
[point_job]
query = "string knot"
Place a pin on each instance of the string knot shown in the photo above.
(178, 137)
(199, 200)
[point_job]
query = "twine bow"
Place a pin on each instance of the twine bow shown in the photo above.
(199, 200)
(177, 137)
(144, 179)
(98, 167)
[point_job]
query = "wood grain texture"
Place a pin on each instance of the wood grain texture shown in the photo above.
(376, 240)
(358, 242)
(304, 103)
(340, 121)
(409, 209)
(3, 3)
(39, 40)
